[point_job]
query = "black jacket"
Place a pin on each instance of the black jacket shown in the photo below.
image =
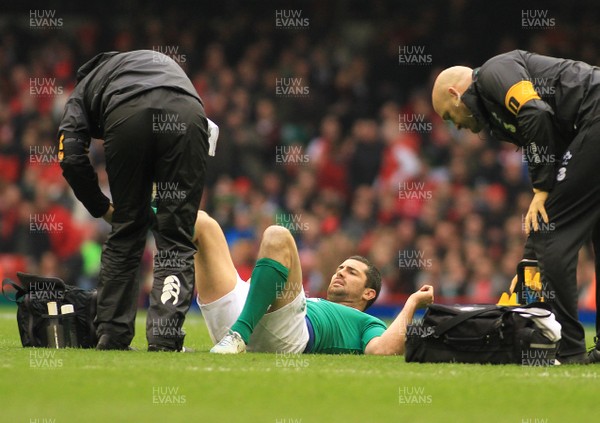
(536, 102)
(103, 83)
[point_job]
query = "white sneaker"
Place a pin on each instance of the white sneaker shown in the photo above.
(232, 343)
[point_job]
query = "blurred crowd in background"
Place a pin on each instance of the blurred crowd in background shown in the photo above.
(352, 160)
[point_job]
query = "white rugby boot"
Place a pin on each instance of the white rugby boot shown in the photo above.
(232, 343)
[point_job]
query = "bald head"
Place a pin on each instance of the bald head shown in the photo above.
(450, 84)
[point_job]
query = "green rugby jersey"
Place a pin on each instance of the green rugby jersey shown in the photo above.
(340, 329)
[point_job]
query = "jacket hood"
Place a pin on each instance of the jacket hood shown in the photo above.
(96, 61)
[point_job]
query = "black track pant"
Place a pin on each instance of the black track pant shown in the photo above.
(159, 136)
(573, 207)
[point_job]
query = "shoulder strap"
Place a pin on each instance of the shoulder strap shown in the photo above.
(20, 291)
(445, 326)
(524, 312)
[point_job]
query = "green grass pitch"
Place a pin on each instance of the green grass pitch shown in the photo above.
(43, 386)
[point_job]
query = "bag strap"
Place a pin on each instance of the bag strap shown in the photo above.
(445, 326)
(20, 290)
(526, 313)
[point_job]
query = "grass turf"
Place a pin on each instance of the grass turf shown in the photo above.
(42, 386)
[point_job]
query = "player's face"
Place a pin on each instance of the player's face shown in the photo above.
(348, 282)
(462, 117)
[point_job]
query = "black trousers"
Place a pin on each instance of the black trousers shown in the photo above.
(159, 136)
(573, 207)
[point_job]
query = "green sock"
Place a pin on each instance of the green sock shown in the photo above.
(268, 279)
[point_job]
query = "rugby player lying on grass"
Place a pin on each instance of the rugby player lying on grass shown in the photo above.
(272, 314)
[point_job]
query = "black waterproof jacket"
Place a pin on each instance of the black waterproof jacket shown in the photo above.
(536, 102)
(103, 83)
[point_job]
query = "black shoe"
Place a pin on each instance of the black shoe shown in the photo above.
(162, 348)
(581, 358)
(105, 343)
(593, 356)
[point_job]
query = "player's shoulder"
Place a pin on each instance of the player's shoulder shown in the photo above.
(504, 58)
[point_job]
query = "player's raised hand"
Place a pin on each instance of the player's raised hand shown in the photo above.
(423, 297)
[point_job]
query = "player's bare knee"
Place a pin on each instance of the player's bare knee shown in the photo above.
(276, 243)
(202, 219)
(277, 236)
(204, 226)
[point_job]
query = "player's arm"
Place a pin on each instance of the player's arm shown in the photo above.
(74, 141)
(393, 340)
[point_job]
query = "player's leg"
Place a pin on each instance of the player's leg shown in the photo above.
(275, 284)
(129, 157)
(283, 328)
(221, 292)
(279, 245)
(181, 152)
(574, 208)
(215, 274)
(557, 259)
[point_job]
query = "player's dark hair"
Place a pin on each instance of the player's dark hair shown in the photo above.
(373, 278)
